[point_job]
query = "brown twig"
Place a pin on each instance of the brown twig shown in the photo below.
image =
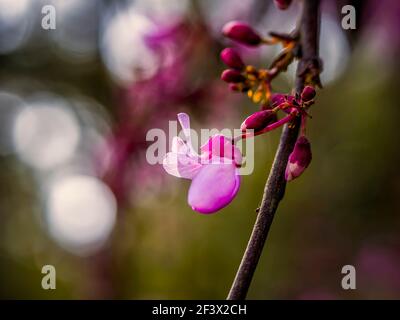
(307, 72)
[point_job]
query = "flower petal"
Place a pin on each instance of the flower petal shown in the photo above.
(214, 187)
(184, 120)
(179, 146)
(181, 165)
(222, 147)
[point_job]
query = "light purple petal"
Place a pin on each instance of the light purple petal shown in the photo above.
(181, 165)
(214, 187)
(179, 146)
(184, 120)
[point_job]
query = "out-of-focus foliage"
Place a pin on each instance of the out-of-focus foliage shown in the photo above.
(76, 192)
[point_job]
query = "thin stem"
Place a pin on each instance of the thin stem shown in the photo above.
(275, 185)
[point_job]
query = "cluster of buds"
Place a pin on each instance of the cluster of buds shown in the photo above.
(267, 120)
(247, 79)
(256, 83)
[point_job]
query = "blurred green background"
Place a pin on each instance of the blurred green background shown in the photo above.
(76, 192)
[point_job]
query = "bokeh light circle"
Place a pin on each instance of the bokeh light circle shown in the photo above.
(46, 133)
(81, 212)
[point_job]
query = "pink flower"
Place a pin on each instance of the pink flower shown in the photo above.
(299, 159)
(214, 173)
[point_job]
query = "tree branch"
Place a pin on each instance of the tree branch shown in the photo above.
(307, 71)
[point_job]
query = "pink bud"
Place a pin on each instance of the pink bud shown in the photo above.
(259, 120)
(291, 99)
(308, 94)
(277, 99)
(232, 76)
(232, 59)
(299, 159)
(241, 32)
(283, 4)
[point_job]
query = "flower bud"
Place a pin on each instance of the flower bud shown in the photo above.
(232, 76)
(299, 159)
(308, 94)
(232, 59)
(291, 99)
(241, 32)
(277, 99)
(259, 120)
(282, 4)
